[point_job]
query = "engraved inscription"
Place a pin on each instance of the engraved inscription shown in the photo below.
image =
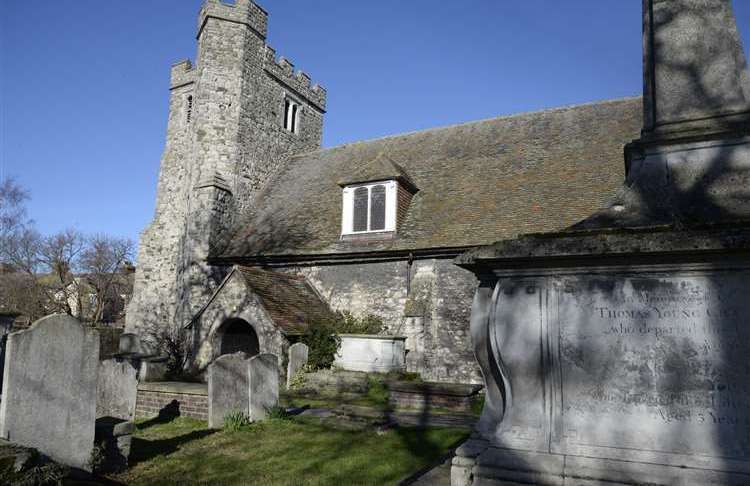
(657, 364)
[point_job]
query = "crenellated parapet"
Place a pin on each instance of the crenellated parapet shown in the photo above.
(244, 12)
(181, 74)
(283, 70)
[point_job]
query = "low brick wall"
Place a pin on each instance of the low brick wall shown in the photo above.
(172, 398)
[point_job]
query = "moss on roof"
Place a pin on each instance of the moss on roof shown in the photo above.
(478, 183)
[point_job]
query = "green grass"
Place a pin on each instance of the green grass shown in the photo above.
(294, 451)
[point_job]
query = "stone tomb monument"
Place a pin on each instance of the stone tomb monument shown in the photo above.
(49, 389)
(298, 353)
(238, 383)
(617, 350)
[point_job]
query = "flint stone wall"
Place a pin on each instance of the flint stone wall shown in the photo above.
(433, 314)
(225, 139)
(50, 389)
(235, 301)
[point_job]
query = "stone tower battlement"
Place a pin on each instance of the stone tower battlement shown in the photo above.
(181, 74)
(244, 12)
(228, 132)
(283, 70)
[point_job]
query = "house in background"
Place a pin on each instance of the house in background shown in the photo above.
(259, 232)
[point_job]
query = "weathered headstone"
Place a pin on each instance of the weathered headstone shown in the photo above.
(237, 383)
(264, 385)
(298, 353)
(115, 411)
(117, 389)
(228, 387)
(49, 389)
(7, 320)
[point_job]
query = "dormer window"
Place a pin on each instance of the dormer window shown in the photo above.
(291, 115)
(369, 208)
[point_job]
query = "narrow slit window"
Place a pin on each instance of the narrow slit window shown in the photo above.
(189, 114)
(377, 208)
(291, 115)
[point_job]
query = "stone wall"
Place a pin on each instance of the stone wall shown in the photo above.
(433, 313)
(234, 301)
(225, 139)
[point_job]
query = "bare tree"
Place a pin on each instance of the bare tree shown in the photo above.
(103, 261)
(12, 208)
(60, 255)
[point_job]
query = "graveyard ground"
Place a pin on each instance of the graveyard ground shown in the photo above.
(294, 450)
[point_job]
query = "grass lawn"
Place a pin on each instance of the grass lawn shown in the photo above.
(281, 452)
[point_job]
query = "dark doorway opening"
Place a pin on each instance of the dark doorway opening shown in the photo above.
(237, 335)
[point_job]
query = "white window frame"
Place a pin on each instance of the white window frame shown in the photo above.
(347, 212)
(290, 119)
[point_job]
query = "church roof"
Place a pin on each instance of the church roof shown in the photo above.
(477, 183)
(289, 300)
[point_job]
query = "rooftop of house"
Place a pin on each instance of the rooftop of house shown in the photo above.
(477, 183)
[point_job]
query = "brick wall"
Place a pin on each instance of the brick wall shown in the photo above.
(183, 399)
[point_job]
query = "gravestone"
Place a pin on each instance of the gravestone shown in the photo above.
(49, 389)
(615, 351)
(264, 385)
(7, 321)
(298, 353)
(228, 387)
(238, 383)
(117, 389)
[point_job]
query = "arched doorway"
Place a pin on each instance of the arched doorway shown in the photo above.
(237, 335)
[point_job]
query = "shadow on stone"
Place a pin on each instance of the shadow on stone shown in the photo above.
(166, 414)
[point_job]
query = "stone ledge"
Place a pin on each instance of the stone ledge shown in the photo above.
(432, 388)
(175, 387)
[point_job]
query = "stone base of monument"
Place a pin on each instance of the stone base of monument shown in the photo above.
(605, 364)
(478, 463)
(113, 438)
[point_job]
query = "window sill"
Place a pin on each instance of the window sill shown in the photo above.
(371, 236)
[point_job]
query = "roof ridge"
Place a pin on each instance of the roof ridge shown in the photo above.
(473, 122)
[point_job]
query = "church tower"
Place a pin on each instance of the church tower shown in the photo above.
(234, 118)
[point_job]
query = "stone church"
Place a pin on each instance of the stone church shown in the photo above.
(259, 232)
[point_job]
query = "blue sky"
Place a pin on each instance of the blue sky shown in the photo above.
(83, 83)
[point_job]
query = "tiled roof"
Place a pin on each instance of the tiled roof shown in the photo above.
(478, 183)
(290, 302)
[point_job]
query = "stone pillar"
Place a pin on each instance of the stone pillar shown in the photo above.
(695, 73)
